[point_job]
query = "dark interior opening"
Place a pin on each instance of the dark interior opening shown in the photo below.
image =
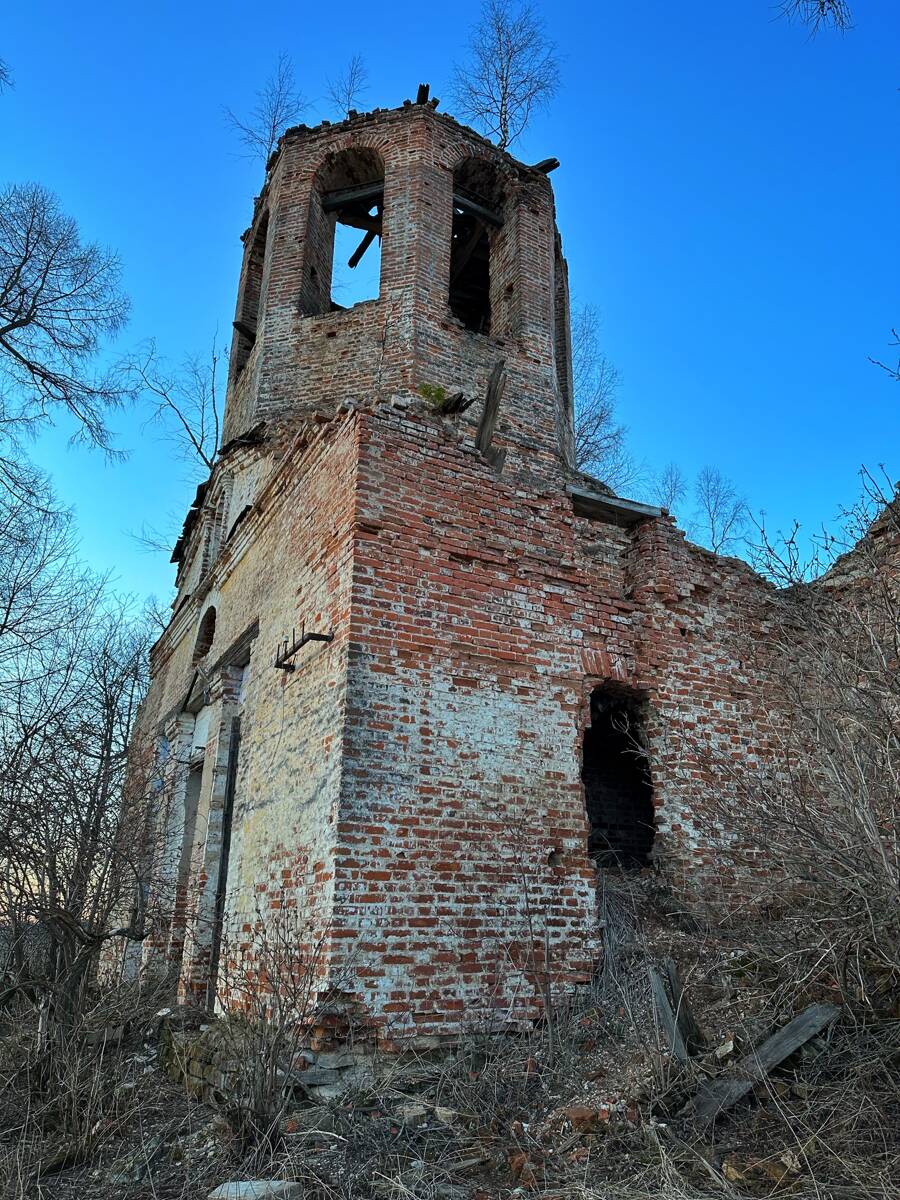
(617, 785)
(477, 215)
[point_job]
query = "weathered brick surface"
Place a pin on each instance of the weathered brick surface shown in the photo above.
(411, 793)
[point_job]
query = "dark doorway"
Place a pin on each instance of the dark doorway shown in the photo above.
(617, 787)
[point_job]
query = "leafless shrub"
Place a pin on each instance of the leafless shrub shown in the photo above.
(346, 91)
(270, 985)
(278, 105)
(58, 1113)
(513, 70)
(829, 808)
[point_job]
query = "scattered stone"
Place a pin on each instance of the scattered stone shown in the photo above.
(585, 1118)
(413, 1115)
(136, 1168)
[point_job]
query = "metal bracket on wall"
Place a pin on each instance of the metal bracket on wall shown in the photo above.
(285, 651)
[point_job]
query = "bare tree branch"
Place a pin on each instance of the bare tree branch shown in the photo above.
(600, 448)
(278, 105)
(186, 403)
(819, 14)
(6, 79)
(893, 371)
(59, 298)
(513, 69)
(669, 486)
(346, 91)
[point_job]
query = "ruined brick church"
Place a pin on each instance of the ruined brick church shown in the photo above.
(423, 679)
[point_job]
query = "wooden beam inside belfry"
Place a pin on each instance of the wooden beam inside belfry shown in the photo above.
(467, 251)
(360, 250)
(474, 209)
(372, 192)
(357, 220)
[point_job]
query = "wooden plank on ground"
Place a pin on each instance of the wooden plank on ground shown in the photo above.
(690, 1030)
(715, 1097)
(667, 1016)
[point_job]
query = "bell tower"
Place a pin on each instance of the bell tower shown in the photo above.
(471, 275)
(365, 704)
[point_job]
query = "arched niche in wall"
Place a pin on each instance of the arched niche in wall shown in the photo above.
(216, 526)
(206, 633)
(342, 259)
(480, 275)
(250, 299)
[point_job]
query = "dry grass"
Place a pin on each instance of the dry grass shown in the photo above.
(582, 1108)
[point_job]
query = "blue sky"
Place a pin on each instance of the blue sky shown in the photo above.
(728, 199)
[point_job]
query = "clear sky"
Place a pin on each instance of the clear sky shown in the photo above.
(728, 199)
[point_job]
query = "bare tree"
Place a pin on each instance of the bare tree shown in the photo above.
(513, 69)
(70, 844)
(186, 403)
(346, 91)
(59, 297)
(669, 486)
(600, 447)
(278, 105)
(721, 514)
(819, 14)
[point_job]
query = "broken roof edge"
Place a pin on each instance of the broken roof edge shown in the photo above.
(296, 132)
(613, 509)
